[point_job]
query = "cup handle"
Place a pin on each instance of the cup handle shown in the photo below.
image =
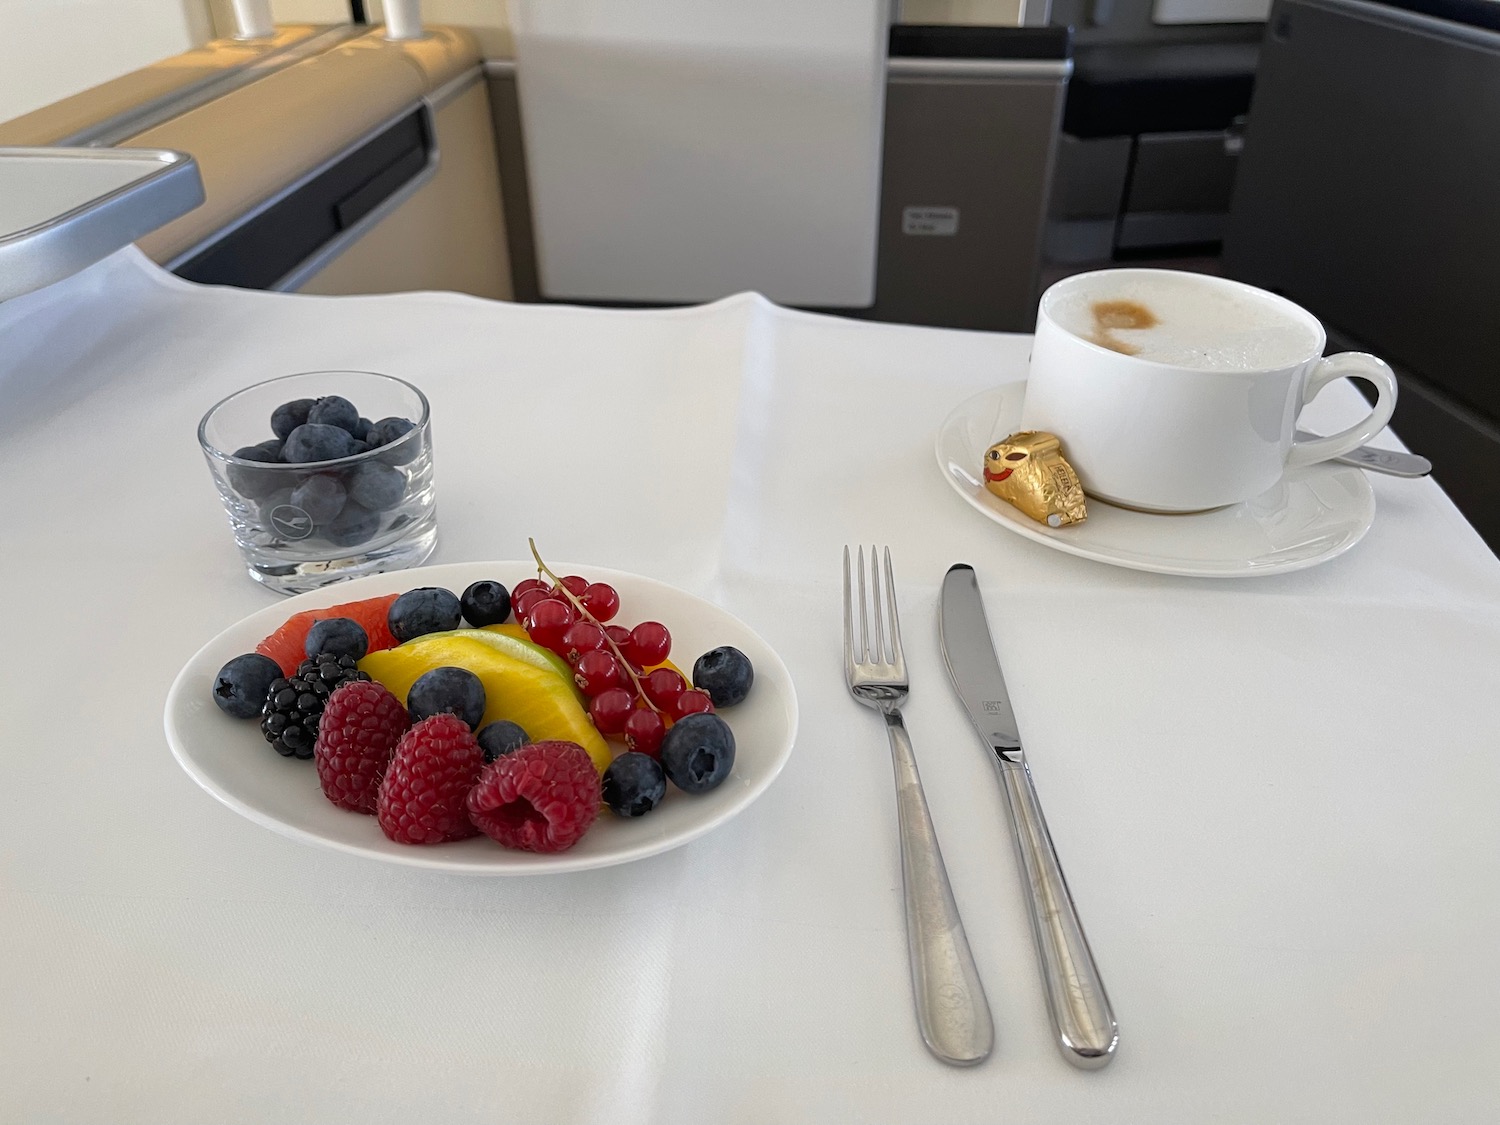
(1343, 366)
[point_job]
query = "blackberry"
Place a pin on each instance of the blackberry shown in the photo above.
(294, 705)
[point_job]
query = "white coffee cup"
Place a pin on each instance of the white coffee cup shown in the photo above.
(1204, 413)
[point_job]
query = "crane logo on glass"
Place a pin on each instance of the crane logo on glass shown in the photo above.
(291, 522)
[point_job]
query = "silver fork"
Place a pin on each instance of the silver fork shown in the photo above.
(951, 1007)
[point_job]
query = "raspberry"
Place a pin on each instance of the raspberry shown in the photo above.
(422, 794)
(542, 798)
(361, 725)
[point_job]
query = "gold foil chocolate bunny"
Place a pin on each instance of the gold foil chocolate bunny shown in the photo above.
(1027, 469)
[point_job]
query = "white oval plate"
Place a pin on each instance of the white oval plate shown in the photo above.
(230, 759)
(1311, 515)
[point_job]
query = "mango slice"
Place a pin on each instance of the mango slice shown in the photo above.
(517, 685)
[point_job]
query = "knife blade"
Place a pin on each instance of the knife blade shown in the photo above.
(1082, 1019)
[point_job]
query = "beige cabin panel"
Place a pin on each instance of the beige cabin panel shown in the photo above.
(254, 141)
(450, 234)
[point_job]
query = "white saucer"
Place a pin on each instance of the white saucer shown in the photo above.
(1312, 515)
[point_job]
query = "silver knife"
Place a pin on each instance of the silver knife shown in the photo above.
(1082, 1019)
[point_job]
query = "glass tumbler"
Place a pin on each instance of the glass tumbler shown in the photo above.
(303, 525)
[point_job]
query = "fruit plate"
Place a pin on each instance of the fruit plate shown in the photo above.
(230, 759)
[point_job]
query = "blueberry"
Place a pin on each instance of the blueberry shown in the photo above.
(388, 431)
(321, 497)
(378, 487)
(338, 635)
(335, 410)
(358, 445)
(362, 429)
(268, 505)
(253, 483)
(485, 603)
(698, 752)
(273, 446)
(633, 785)
(454, 690)
(726, 674)
(355, 524)
(315, 442)
(500, 737)
(427, 609)
(241, 687)
(289, 415)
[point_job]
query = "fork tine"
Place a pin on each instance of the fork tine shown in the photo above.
(890, 590)
(864, 612)
(848, 622)
(879, 657)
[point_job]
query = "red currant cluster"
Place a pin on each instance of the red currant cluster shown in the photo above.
(630, 694)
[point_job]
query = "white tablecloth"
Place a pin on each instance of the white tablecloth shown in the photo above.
(1276, 799)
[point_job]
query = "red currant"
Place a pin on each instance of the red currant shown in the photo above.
(548, 621)
(617, 633)
(524, 602)
(581, 637)
(576, 584)
(688, 703)
(649, 644)
(601, 600)
(663, 686)
(609, 710)
(597, 672)
(528, 584)
(644, 730)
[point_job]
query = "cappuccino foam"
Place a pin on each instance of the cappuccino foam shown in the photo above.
(1184, 322)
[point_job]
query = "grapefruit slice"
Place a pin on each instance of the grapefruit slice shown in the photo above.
(517, 688)
(285, 645)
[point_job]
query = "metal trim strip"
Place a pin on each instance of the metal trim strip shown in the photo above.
(453, 88)
(65, 244)
(910, 68)
(1405, 20)
(920, 69)
(138, 119)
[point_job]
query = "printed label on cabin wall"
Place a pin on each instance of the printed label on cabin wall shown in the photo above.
(929, 220)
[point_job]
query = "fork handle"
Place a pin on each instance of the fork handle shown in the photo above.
(951, 1007)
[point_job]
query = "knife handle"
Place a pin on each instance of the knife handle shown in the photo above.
(952, 1011)
(1081, 1015)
